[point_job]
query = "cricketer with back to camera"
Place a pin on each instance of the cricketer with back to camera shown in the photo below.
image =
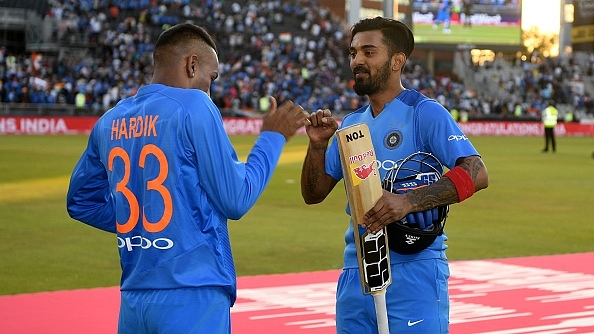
(160, 172)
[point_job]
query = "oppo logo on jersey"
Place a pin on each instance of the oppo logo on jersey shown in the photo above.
(386, 164)
(144, 243)
(457, 137)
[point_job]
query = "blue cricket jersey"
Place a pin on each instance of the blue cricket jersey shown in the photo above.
(410, 123)
(160, 172)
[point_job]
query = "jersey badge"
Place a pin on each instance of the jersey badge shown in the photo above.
(393, 140)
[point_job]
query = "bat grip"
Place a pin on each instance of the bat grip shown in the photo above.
(381, 312)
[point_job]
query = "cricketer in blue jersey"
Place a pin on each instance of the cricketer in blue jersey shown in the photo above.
(159, 171)
(401, 122)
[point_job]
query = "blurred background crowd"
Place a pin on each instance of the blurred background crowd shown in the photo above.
(293, 50)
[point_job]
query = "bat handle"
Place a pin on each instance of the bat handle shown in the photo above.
(381, 312)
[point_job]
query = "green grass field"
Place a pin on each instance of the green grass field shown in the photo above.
(536, 204)
(502, 35)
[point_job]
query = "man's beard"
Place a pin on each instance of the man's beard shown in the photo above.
(375, 83)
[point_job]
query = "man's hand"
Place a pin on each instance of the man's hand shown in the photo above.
(315, 183)
(286, 120)
(321, 127)
(423, 219)
(389, 208)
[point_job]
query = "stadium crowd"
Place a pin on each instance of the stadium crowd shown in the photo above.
(293, 50)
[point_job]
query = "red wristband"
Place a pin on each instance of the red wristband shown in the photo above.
(462, 181)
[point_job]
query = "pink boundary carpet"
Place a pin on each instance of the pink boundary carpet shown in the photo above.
(541, 294)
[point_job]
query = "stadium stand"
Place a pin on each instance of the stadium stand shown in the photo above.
(290, 49)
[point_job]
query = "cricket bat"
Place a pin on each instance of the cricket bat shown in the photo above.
(363, 189)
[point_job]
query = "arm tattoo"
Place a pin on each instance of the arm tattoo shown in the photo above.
(443, 192)
(472, 166)
(313, 174)
(312, 181)
(477, 165)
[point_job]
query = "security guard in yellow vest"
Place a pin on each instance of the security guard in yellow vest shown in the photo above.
(549, 121)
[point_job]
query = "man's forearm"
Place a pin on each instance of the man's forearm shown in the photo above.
(445, 192)
(314, 182)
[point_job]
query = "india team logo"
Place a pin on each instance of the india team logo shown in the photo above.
(393, 139)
